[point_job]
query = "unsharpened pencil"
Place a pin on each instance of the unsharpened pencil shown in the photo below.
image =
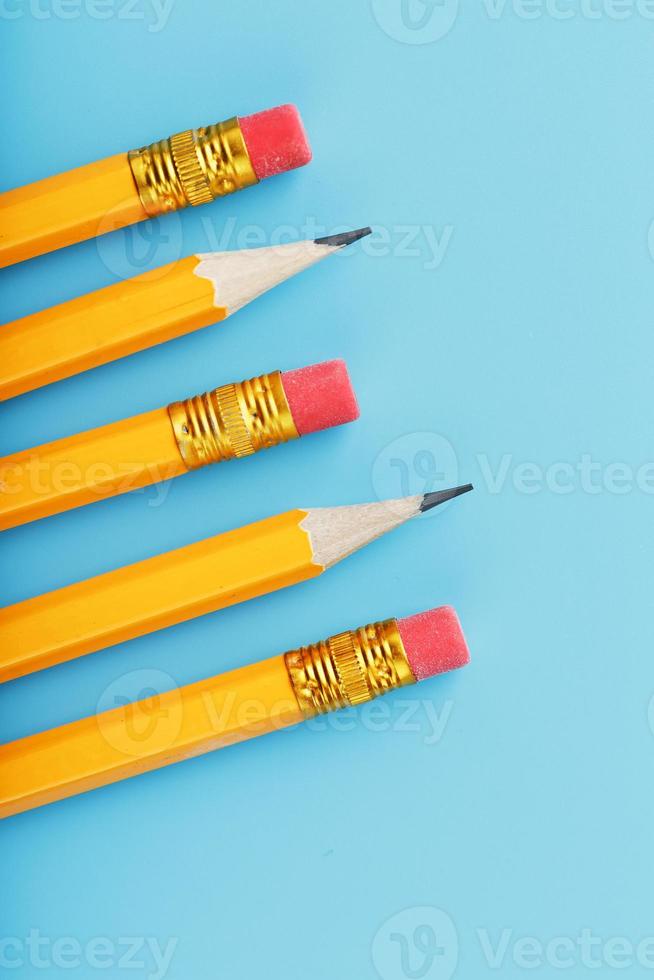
(189, 168)
(346, 670)
(231, 422)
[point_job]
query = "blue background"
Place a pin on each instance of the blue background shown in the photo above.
(525, 145)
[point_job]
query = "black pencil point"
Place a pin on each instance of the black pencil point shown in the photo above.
(346, 238)
(431, 500)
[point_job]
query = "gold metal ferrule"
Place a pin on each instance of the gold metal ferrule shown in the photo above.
(192, 167)
(233, 421)
(349, 669)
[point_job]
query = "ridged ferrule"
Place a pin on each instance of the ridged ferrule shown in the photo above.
(233, 421)
(349, 669)
(192, 167)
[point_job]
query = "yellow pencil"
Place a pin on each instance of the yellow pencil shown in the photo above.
(348, 669)
(231, 422)
(192, 167)
(200, 578)
(149, 309)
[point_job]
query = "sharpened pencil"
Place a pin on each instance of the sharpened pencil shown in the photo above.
(200, 578)
(149, 309)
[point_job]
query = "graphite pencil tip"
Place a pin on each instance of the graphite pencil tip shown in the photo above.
(346, 238)
(431, 500)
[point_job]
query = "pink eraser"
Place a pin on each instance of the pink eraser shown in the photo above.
(434, 642)
(320, 396)
(276, 141)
